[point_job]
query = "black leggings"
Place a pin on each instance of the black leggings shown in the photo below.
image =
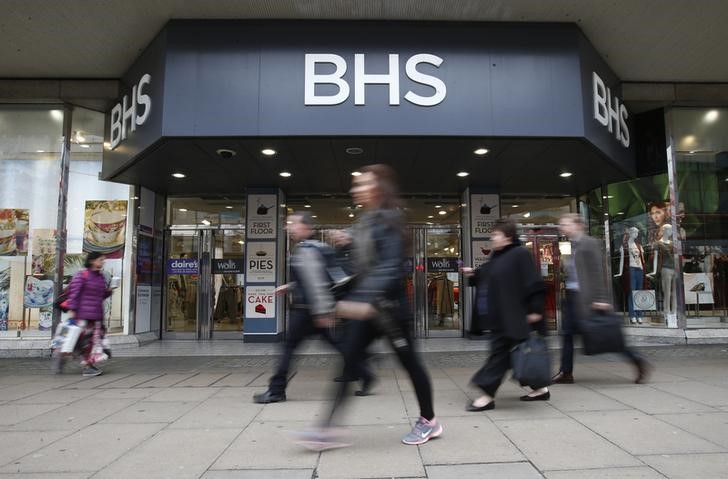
(359, 335)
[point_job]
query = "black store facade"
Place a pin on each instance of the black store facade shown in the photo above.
(227, 126)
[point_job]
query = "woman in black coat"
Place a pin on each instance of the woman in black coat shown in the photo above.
(509, 302)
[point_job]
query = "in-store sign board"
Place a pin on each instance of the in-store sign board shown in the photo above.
(262, 217)
(228, 266)
(484, 211)
(261, 262)
(260, 302)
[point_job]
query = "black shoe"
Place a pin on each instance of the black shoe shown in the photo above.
(269, 397)
(344, 379)
(563, 378)
(541, 397)
(643, 371)
(471, 408)
(366, 386)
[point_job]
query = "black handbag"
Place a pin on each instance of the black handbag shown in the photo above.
(531, 362)
(602, 333)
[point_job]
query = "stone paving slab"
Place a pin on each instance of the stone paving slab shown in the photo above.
(178, 453)
(260, 474)
(146, 412)
(710, 426)
(85, 451)
(218, 413)
(653, 401)
(690, 466)
(640, 434)
(183, 394)
(696, 391)
(14, 413)
(74, 416)
(616, 473)
(521, 470)
(14, 445)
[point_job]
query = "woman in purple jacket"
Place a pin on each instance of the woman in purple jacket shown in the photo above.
(86, 296)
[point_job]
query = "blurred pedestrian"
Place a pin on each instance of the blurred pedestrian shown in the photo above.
(312, 309)
(85, 304)
(376, 304)
(509, 303)
(586, 292)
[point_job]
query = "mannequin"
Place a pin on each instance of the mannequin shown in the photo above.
(664, 263)
(633, 250)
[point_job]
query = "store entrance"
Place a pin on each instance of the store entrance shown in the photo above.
(543, 243)
(204, 283)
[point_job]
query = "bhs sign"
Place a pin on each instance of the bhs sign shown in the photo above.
(134, 112)
(362, 79)
(609, 112)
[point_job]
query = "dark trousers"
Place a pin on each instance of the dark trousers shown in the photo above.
(360, 335)
(570, 327)
(490, 376)
(300, 326)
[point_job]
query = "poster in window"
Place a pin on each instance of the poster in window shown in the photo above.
(260, 302)
(262, 217)
(4, 294)
(484, 211)
(14, 231)
(105, 227)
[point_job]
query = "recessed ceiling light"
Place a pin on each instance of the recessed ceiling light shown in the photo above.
(442, 212)
(481, 151)
(463, 174)
(40, 151)
(621, 213)
(351, 215)
(360, 206)
(134, 197)
(607, 197)
(206, 222)
(438, 206)
(241, 242)
(179, 175)
(430, 216)
(566, 174)
(515, 206)
(430, 223)
(283, 205)
(606, 214)
(84, 145)
(183, 210)
(285, 174)
(356, 173)
(306, 206)
(229, 207)
(463, 205)
(268, 151)
(107, 145)
(57, 115)
(527, 214)
(226, 153)
(289, 222)
(314, 216)
(711, 116)
(355, 150)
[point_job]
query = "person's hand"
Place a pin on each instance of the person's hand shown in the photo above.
(467, 271)
(602, 306)
(71, 314)
(324, 321)
(339, 238)
(355, 310)
(650, 275)
(283, 289)
(534, 318)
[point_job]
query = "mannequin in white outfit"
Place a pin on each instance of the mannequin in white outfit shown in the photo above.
(664, 264)
(636, 269)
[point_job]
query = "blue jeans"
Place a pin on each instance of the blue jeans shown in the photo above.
(636, 277)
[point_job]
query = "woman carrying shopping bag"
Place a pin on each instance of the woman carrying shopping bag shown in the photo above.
(510, 297)
(86, 295)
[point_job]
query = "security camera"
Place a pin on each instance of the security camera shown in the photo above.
(225, 153)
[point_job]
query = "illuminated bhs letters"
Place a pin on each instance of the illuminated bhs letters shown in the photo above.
(361, 79)
(125, 112)
(609, 112)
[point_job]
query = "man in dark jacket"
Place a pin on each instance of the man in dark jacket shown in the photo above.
(586, 291)
(312, 309)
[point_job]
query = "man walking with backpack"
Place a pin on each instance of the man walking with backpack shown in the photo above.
(313, 304)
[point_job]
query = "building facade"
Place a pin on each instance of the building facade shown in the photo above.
(222, 128)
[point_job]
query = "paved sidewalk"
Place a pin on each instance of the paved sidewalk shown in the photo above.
(193, 417)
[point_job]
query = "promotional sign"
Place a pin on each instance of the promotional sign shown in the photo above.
(105, 227)
(698, 288)
(4, 295)
(44, 252)
(228, 266)
(143, 308)
(260, 302)
(38, 293)
(481, 250)
(13, 232)
(261, 262)
(484, 211)
(182, 266)
(443, 265)
(262, 216)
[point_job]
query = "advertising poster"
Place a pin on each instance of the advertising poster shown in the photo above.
(182, 266)
(4, 294)
(14, 231)
(484, 211)
(260, 302)
(261, 262)
(262, 217)
(698, 288)
(43, 251)
(105, 227)
(481, 250)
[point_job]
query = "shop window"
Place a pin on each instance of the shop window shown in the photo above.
(700, 139)
(30, 152)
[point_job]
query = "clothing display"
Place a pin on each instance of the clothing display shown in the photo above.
(440, 296)
(229, 304)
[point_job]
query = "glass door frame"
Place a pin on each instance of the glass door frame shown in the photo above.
(204, 321)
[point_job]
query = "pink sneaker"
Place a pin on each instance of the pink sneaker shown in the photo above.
(423, 431)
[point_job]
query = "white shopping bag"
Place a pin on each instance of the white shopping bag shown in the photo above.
(69, 333)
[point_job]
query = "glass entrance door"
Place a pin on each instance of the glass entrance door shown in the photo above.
(204, 284)
(543, 243)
